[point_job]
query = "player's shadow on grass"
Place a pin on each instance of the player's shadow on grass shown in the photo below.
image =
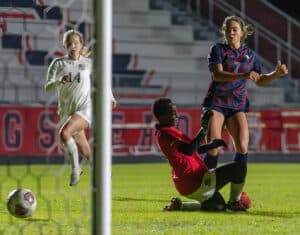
(37, 220)
(277, 214)
(273, 214)
(137, 199)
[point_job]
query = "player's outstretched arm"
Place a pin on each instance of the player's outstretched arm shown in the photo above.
(192, 147)
(280, 71)
(215, 143)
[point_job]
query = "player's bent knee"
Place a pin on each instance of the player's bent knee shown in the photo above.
(64, 136)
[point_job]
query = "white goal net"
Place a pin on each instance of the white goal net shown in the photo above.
(31, 157)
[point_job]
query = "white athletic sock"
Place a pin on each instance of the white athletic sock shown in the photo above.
(190, 206)
(72, 151)
(235, 191)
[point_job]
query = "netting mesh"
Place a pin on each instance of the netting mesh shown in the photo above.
(31, 156)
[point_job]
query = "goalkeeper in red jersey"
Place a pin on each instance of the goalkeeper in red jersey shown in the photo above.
(190, 174)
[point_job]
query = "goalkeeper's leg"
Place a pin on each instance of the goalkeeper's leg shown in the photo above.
(177, 205)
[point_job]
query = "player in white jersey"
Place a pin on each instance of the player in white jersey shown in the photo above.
(71, 76)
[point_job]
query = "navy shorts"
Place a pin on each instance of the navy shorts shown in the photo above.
(227, 112)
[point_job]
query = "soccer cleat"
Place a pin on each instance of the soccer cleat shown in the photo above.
(241, 205)
(245, 199)
(236, 206)
(174, 205)
(75, 176)
(215, 203)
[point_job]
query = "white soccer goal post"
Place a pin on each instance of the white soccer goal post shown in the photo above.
(101, 178)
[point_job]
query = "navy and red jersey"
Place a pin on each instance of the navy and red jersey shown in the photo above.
(231, 94)
(187, 171)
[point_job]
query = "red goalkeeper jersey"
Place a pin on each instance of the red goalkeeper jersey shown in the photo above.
(187, 171)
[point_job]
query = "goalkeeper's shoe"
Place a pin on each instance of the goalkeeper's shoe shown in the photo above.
(174, 205)
(75, 176)
(241, 205)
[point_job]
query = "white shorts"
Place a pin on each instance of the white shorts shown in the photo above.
(85, 113)
(207, 187)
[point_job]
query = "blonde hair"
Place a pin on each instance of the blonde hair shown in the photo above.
(84, 51)
(246, 28)
(69, 33)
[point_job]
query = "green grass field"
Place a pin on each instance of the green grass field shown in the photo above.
(140, 191)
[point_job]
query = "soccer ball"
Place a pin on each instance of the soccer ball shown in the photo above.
(21, 203)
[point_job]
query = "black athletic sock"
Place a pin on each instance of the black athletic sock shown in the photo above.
(240, 157)
(210, 160)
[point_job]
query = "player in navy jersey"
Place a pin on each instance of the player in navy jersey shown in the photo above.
(231, 64)
(190, 174)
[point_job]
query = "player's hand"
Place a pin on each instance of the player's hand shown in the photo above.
(254, 76)
(218, 143)
(281, 69)
(205, 116)
(66, 78)
(114, 103)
